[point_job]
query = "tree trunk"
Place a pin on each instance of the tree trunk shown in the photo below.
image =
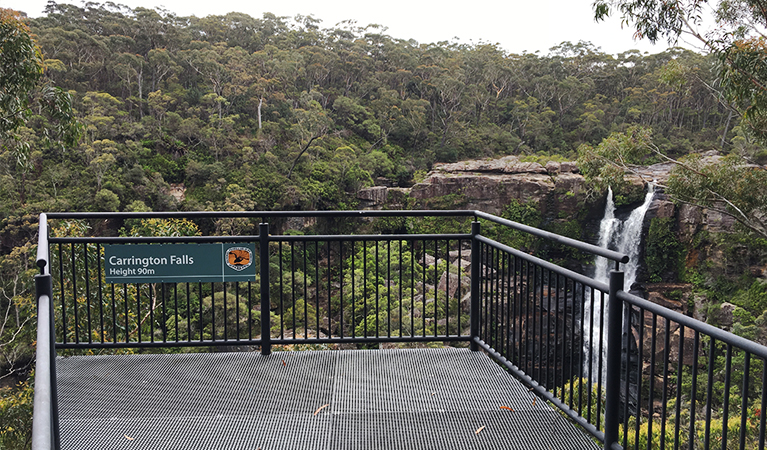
(295, 161)
(260, 102)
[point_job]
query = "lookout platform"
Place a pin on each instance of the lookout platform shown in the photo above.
(446, 398)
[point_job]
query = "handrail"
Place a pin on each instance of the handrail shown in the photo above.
(593, 249)
(600, 251)
(253, 238)
(261, 214)
(546, 265)
(719, 334)
(44, 420)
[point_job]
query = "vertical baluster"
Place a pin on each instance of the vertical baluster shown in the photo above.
(330, 292)
(164, 326)
(640, 359)
(744, 399)
(63, 295)
(726, 405)
(664, 395)
(212, 311)
(593, 301)
(236, 285)
(100, 293)
(626, 348)
(317, 287)
(225, 314)
(709, 391)
(581, 343)
(423, 284)
(651, 394)
(388, 288)
(483, 293)
(306, 296)
(557, 339)
(175, 300)
(494, 266)
(447, 287)
(503, 320)
(282, 292)
(114, 314)
(341, 284)
(293, 288)
(87, 292)
(490, 323)
(436, 286)
(401, 269)
(125, 306)
(189, 312)
(365, 288)
(527, 333)
(601, 352)
(549, 368)
(201, 321)
(541, 348)
(519, 293)
(679, 366)
(74, 294)
(572, 335)
(152, 303)
(377, 311)
(352, 274)
(138, 311)
(250, 310)
(694, 389)
(459, 311)
(412, 288)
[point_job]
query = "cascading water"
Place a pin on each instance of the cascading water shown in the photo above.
(623, 236)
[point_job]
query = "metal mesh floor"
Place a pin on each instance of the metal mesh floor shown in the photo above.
(378, 399)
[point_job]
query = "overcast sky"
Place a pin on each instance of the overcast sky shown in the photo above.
(516, 25)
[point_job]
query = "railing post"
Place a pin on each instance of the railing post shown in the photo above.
(45, 426)
(266, 326)
(613, 369)
(475, 271)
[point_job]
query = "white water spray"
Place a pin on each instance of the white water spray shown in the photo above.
(624, 237)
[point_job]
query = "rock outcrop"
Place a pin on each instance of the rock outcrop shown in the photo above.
(490, 185)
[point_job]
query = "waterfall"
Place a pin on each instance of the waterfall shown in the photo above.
(623, 236)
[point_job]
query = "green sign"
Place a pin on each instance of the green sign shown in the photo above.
(178, 263)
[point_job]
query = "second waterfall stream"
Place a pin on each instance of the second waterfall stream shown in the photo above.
(623, 236)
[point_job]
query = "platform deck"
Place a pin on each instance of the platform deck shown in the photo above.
(448, 399)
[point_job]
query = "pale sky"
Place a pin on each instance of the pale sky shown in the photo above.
(516, 25)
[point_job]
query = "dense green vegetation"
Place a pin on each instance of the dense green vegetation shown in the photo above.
(274, 113)
(240, 113)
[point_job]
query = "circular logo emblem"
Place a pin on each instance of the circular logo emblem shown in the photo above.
(239, 258)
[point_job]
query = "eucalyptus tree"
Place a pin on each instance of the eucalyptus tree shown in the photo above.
(736, 37)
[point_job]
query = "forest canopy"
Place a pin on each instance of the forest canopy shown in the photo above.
(278, 113)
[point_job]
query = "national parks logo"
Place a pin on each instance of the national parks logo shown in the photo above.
(239, 258)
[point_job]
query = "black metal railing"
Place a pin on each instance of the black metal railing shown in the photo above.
(670, 381)
(646, 377)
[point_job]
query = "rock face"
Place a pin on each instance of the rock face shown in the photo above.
(374, 196)
(490, 185)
